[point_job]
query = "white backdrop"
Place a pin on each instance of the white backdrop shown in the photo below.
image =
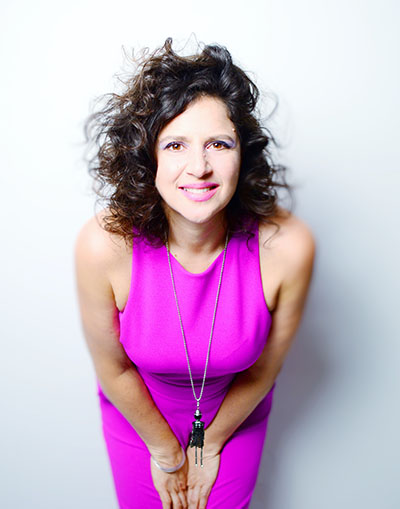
(333, 439)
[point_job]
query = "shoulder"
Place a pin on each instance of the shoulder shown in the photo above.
(287, 253)
(97, 247)
(293, 241)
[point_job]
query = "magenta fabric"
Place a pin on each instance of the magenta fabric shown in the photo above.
(151, 336)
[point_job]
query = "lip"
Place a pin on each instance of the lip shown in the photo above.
(204, 196)
(199, 185)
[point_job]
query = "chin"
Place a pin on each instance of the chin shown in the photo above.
(203, 218)
(202, 215)
(198, 219)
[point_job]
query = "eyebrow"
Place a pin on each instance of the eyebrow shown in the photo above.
(185, 139)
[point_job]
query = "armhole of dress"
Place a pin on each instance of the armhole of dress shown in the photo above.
(257, 242)
(123, 312)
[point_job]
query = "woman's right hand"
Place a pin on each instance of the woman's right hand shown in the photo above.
(172, 487)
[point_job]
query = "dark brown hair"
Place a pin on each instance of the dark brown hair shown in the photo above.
(125, 131)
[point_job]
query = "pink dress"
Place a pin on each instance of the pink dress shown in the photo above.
(151, 336)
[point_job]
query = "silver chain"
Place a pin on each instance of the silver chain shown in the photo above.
(212, 325)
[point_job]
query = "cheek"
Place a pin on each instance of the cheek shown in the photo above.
(227, 164)
(232, 172)
(234, 178)
(157, 179)
(160, 180)
(168, 168)
(166, 176)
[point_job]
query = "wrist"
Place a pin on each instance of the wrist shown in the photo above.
(212, 449)
(169, 469)
(212, 444)
(167, 456)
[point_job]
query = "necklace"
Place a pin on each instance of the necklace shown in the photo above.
(197, 435)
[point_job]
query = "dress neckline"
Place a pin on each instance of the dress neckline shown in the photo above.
(197, 274)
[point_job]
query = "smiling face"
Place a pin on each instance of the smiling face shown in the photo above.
(198, 162)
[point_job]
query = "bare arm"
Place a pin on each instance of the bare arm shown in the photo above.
(119, 379)
(252, 385)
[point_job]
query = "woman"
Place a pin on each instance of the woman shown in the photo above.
(191, 281)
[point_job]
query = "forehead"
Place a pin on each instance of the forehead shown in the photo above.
(206, 113)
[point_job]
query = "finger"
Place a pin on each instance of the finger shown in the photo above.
(176, 502)
(166, 501)
(203, 500)
(193, 497)
(183, 499)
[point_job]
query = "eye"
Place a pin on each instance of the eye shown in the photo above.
(219, 145)
(174, 146)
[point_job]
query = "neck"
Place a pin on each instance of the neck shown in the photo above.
(197, 239)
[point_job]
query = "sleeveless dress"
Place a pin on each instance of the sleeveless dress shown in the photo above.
(151, 336)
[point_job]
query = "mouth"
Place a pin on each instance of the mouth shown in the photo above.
(199, 188)
(200, 192)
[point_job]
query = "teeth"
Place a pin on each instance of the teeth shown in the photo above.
(197, 191)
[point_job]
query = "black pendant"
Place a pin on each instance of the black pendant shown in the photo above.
(197, 437)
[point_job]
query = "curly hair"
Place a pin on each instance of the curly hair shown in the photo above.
(126, 128)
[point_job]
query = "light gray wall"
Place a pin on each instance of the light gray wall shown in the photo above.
(333, 439)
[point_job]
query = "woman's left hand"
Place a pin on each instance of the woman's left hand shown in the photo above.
(200, 480)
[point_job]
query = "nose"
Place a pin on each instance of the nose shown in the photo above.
(198, 164)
